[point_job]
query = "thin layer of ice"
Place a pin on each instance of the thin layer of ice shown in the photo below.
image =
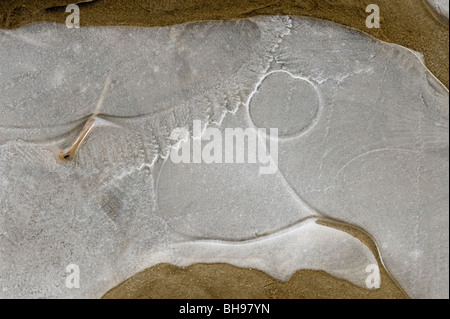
(364, 139)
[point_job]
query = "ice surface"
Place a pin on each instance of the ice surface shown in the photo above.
(440, 7)
(363, 139)
(288, 117)
(306, 245)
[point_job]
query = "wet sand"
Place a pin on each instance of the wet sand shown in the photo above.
(223, 281)
(407, 22)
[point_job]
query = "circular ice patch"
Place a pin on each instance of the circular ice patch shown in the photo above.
(285, 102)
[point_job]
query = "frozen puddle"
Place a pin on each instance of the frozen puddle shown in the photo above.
(86, 175)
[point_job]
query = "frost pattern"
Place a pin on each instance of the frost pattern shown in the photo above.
(376, 156)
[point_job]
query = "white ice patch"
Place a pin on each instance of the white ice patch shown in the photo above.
(364, 140)
(440, 7)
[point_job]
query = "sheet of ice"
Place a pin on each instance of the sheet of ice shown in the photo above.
(378, 155)
(306, 245)
(363, 138)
